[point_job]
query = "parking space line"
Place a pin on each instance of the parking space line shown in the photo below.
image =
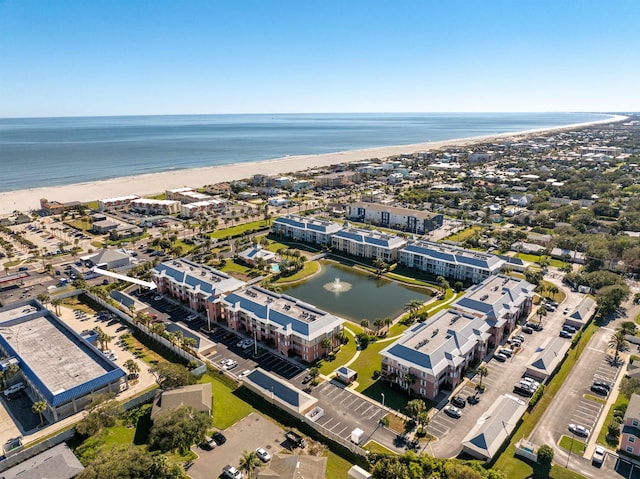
(346, 428)
(336, 425)
(325, 424)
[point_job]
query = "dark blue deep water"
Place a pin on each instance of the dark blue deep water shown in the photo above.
(38, 152)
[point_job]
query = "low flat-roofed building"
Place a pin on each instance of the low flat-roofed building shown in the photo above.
(107, 259)
(197, 396)
(502, 299)
(581, 313)
(547, 358)
(193, 282)
(450, 261)
(366, 243)
(288, 324)
(149, 206)
(277, 390)
(186, 195)
(404, 219)
(334, 180)
(103, 226)
(494, 427)
(212, 205)
(569, 255)
(436, 352)
(57, 365)
(59, 462)
(115, 203)
(305, 228)
(53, 207)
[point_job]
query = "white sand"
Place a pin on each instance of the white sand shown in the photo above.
(154, 183)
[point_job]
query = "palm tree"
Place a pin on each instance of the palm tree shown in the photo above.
(326, 344)
(541, 313)
(412, 307)
(388, 322)
(364, 323)
(409, 380)
(628, 327)
(482, 372)
(553, 289)
(423, 420)
(249, 462)
(43, 298)
(188, 342)
(102, 337)
(56, 302)
(39, 407)
(619, 343)
(378, 323)
(131, 366)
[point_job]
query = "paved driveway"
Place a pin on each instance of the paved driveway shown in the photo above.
(246, 435)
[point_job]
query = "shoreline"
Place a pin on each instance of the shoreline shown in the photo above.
(155, 183)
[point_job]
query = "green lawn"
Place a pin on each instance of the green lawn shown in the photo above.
(377, 448)
(574, 445)
(347, 351)
(602, 437)
(309, 268)
(534, 258)
(236, 267)
(336, 466)
(464, 234)
(237, 230)
(140, 351)
(516, 468)
(228, 409)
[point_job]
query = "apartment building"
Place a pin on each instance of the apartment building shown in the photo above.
(307, 229)
(186, 195)
(630, 437)
(432, 356)
(450, 261)
(335, 180)
(403, 219)
(283, 322)
(367, 244)
(191, 210)
(503, 301)
(192, 282)
(148, 206)
(116, 203)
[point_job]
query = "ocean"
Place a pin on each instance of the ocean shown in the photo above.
(36, 152)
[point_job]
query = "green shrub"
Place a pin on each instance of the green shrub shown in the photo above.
(536, 397)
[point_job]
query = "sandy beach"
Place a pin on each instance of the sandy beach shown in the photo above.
(149, 184)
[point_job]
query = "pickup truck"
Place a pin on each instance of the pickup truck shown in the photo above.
(231, 472)
(296, 439)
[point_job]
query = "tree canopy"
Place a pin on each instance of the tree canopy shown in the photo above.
(179, 429)
(131, 463)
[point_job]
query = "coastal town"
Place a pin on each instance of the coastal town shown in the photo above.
(470, 306)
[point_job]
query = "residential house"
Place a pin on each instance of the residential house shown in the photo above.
(630, 437)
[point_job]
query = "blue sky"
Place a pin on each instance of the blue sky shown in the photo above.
(111, 57)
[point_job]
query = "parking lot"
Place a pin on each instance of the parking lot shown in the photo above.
(248, 434)
(345, 411)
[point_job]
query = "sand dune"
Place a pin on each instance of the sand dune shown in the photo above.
(153, 183)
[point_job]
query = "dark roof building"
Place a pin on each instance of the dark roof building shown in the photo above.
(55, 463)
(197, 396)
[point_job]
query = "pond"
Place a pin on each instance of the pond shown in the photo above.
(354, 295)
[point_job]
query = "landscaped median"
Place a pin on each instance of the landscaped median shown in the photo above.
(517, 468)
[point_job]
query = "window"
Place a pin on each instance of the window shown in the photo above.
(630, 449)
(635, 423)
(632, 439)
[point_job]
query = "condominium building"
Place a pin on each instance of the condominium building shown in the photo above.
(450, 261)
(307, 229)
(155, 207)
(192, 282)
(367, 244)
(281, 321)
(115, 203)
(630, 437)
(334, 180)
(432, 356)
(404, 219)
(503, 300)
(191, 210)
(186, 195)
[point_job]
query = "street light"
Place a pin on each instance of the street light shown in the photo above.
(382, 394)
(570, 449)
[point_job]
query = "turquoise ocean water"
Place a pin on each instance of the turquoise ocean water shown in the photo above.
(39, 152)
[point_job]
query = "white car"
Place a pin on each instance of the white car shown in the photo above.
(244, 373)
(13, 389)
(157, 297)
(191, 317)
(230, 364)
(452, 411)
(263, 455)
(598, 455)
(579, 430)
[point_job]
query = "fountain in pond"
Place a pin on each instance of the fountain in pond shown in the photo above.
(337, 286)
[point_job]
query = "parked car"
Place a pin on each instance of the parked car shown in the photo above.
(598, 455)
(519, 337)
(566, 334)
(527, 330)
(244, 373)
(579, 430)
(602, 384)
(473, 399)
(306, 379)
(599, 390)
(263, 455)
(219, 438)
(11, 390)
(209, 444)
(231, 472)
(452, 411)
(458, 401)
(500, 357)
(568, 328)
(508, 352)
